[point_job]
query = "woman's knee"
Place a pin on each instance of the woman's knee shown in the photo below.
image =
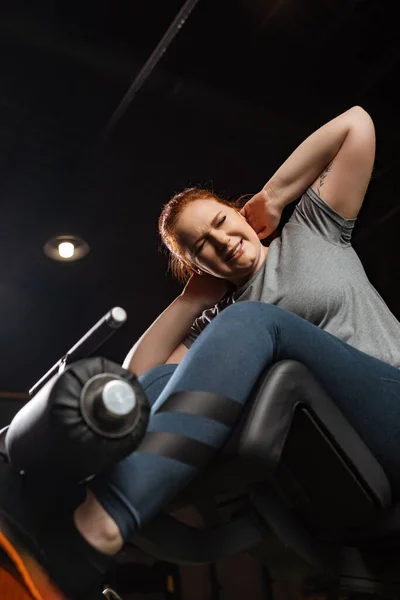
(252, 312)
(243, 319)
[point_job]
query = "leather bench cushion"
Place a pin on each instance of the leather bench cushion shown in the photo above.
(279, 393)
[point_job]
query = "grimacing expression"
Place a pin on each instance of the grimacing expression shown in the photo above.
(208, 232)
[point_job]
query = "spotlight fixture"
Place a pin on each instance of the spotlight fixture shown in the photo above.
(66, 248)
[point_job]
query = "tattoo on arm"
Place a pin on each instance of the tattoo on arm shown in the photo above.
(322, 177)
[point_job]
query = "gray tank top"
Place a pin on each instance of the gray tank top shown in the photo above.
(312, 270)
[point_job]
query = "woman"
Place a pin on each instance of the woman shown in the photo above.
(314, 304)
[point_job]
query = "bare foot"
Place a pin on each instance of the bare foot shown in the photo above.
(97, 527)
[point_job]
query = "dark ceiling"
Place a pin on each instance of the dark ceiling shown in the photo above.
(242, 83)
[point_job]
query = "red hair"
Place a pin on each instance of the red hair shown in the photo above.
(167, 223)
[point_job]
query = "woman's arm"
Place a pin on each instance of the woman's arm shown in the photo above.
(162, 342)
(336, 160)
(162, 338)
(177, 355)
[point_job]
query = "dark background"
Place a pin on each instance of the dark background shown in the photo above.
(241, 85)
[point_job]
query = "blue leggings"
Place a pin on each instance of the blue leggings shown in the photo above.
(227, 359)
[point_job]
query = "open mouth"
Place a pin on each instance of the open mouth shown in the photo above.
(236, 252)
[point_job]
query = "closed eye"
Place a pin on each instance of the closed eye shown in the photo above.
(199, 248)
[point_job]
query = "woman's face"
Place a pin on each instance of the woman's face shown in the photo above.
(208, 232)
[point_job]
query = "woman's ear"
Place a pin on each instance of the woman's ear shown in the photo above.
(192, 268)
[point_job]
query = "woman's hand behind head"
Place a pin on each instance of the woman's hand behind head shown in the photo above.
(262, 214)
(205, 290)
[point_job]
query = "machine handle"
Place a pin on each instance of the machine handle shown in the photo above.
(95, 337)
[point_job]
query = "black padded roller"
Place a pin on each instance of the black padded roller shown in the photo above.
(80, 422)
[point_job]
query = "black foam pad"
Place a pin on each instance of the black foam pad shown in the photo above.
(51, 435)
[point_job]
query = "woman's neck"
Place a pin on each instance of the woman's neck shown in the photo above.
(238, 283)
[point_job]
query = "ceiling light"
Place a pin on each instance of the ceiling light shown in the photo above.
(66, 248)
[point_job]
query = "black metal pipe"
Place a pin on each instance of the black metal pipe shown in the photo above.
(95, 337)
(149, 66)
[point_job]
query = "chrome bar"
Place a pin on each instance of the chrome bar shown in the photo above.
(110, 594)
